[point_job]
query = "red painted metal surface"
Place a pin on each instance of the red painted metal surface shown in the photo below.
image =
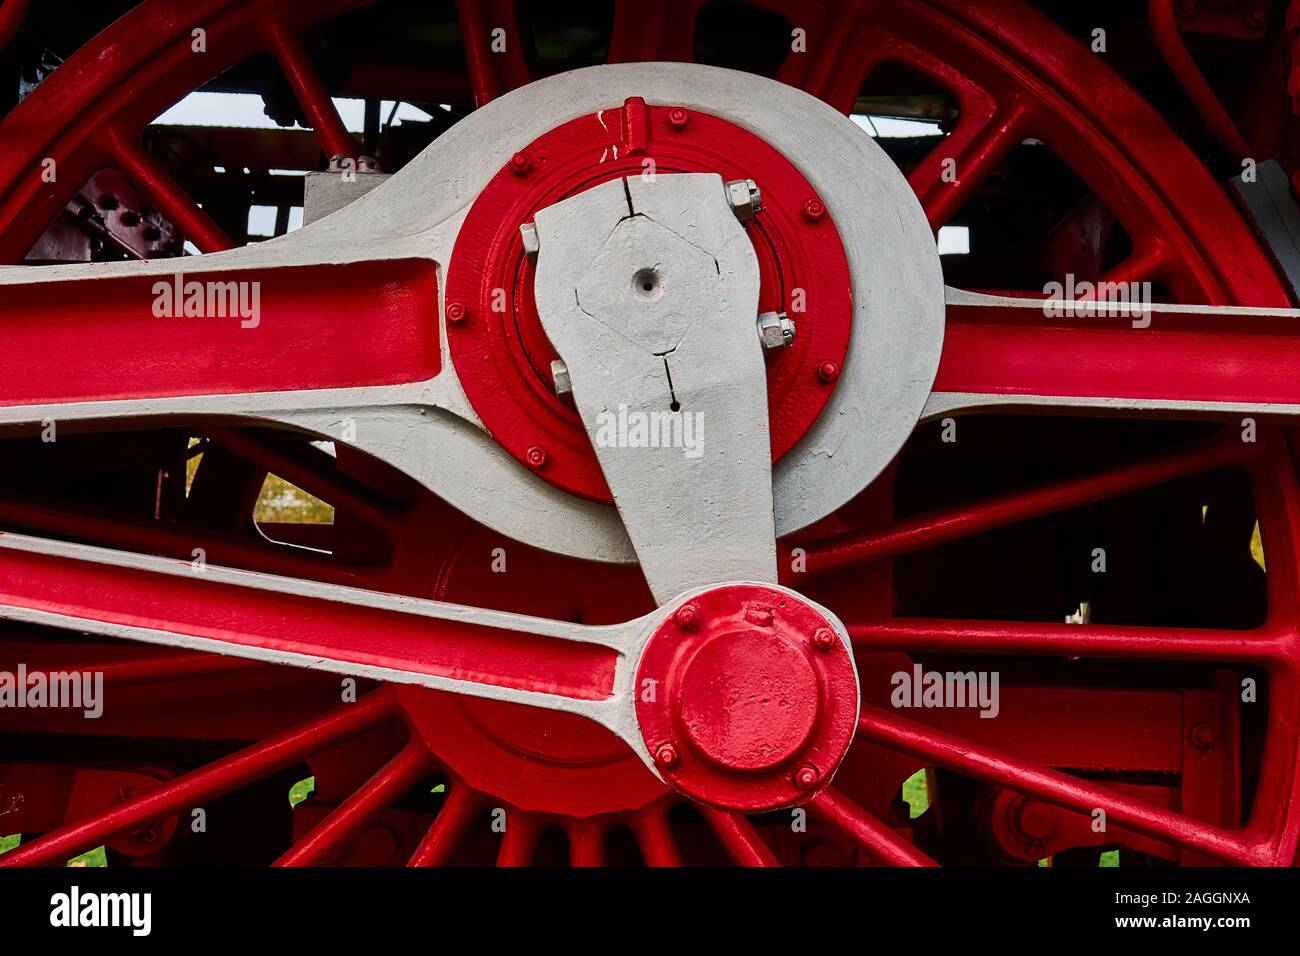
(902, 537)
(220, 332)
(1014, 75)
(503, 356)
(746, 698)
(93, 115)
(1183, 356)
(270, 622)
(1165, 27)
(1060, 788)
(216, 778)
(11, 18)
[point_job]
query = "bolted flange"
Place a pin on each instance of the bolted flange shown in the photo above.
(492, 254)
(758, 713)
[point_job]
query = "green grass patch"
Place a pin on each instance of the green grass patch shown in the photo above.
(301, 790)
(95, 857)
(916, 795)
(282, 502)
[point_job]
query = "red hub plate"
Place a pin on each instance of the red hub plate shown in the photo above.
(503, 357)
(747, 698)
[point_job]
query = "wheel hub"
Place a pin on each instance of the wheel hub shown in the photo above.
(747, 697)
(501, 351)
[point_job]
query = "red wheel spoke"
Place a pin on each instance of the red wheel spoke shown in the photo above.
(519, 843)
(1164, 27)
(586, 843)
(448, 827)
(654, 835)
(262, 617)
(1149, 262)
(174, 203)
(1007, 349)
(653, 30)
(128, 534)
(739, 837)
(248, 332)
(1071, 640)
(389, 784)
(492, 72)
(947, 177)
(194, 788)
(11, 18)
(288, 49)
(996, 766)
(162, 668)
(824, 68)
(873, 836)
(963, 521)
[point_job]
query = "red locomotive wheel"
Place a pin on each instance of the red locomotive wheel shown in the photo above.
(1084, 549)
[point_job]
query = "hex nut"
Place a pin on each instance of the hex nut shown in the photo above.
(775, 331)
(744, 198)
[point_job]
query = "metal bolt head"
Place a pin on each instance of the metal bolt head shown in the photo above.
(666, 756)
(560, 375)
(1202, 736)
(807, 777)
(687, 617)
(824, 640)
(775, 331)
(520, 164)
(1035, 819)
(828, 371)
(814, 209)
(455, 312)
(536, 457)
(744, 198)
(528, 233)
(678, 117)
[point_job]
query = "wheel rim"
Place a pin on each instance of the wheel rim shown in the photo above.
(1185, 247)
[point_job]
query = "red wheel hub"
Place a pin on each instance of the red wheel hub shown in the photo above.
(503, 357)
(747, 698)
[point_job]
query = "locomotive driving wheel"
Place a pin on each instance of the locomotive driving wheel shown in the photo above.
(669, 475)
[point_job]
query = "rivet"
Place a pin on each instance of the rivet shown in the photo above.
(824, 639)
(666, 756)
(687, 617)
(520, 164)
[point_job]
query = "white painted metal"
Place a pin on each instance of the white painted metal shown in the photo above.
(324, 192)
(429, 429)
(648, 289)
